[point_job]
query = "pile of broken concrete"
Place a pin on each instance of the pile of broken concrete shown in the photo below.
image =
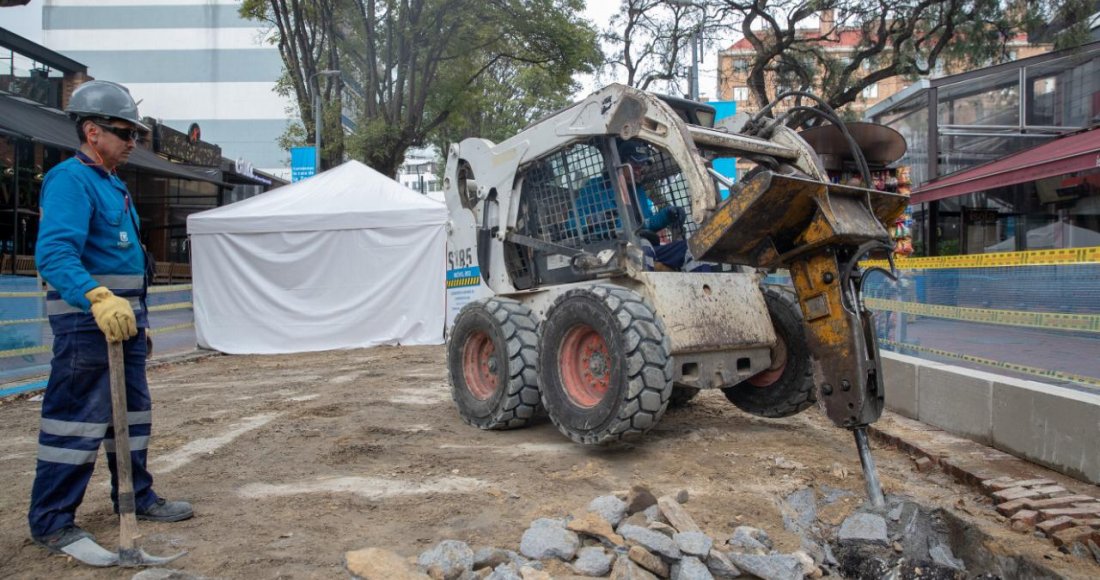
(637, 536)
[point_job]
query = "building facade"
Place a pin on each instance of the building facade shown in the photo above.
(190, 62)
(1004, 158)
(734, 62)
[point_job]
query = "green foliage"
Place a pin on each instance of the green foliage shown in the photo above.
(422, 71)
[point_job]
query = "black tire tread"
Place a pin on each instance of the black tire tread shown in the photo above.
(795, 391)
(648, 365)
(520, 403)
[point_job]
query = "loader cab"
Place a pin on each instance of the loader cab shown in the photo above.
(585, 196)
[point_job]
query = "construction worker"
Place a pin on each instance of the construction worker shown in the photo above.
(90, 255)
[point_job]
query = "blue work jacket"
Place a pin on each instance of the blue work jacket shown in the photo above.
(88, 237)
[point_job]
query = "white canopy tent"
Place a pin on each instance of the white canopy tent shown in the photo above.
(345, 259)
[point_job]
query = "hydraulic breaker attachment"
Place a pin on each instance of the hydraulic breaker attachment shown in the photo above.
(819, 231)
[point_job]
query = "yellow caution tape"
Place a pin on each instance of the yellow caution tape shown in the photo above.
(1062, 257)
(25, 351)
(463, 282)
(173, 328)
(1043, 320)
(22, 294)
(1024, 369)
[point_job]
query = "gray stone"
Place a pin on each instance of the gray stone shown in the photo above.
(720, 565)
(490, 557)
(626, 569)
(450, 557)
(777, 567)
(164, 574)
(814, 550)
(547, 538)
(895, 513)
(941, 554)
(610, 507)
(592, 562)
(801, 512)
(694, 543)
(504, 572)
(690, 568)
(639, 498)
(750, 540)
(653, 514)
(655, 542)
(663, 528)
(864, 527)
(682, 496)
(1095, 549)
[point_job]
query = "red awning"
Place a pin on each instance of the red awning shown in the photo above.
(1076, 152)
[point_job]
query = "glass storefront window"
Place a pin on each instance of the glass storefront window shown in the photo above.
(1060, 92)
(992, 100)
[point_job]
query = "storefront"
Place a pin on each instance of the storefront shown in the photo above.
(1003, 158)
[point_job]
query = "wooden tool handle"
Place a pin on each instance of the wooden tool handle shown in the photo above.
(127, 511)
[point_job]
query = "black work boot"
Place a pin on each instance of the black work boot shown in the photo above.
(55, 541)
(166, 511)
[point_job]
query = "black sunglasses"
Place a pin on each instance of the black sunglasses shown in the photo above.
(126, 134)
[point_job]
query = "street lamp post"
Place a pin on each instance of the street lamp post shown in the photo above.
(693, 83)
(317, 113)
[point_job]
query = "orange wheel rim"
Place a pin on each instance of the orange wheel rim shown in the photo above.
(765, 379)
(585, 366)
(480, 365)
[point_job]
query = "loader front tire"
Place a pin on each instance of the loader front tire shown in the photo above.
(788, 387)
(491, 360)
(605, 368)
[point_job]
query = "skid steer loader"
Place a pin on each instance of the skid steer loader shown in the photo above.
(584, 323)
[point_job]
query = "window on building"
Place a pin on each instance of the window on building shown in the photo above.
(870, 91)
(740, 93)
(740, 65)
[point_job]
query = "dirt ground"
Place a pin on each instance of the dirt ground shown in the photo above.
(291, 461)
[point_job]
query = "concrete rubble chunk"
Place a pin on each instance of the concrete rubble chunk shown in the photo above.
(609, 508)
(695, 544)
(778, 567)
(653, 514)
(548, 538)
(750, 540)
(864, 527)
(721, 566)
(639, 499)
(504, 572)
(490, 557)
(942, 555)
(594, 525)
(807, 561)
(801, 510)
(593, 562)
(380, 564)
(648, 560)
(690, 568)
(676, 515)
(655, 542)
(663, 528)
(529, 573)
(626, 569)
(448, 560)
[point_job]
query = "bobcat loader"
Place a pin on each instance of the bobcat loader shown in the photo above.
(584, 325)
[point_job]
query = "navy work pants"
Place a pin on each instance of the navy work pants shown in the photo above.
(76, 419)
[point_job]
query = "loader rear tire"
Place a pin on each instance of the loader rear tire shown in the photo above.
(491, 360)
(605, 367)
(787, 388)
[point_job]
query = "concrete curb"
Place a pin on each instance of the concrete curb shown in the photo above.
(1052, 426)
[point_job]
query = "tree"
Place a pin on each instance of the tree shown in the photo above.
(304, 31)
(650, 40)
(416, 69)
(907, 38)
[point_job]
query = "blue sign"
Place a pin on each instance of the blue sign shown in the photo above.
(303, 163)
(727, 165)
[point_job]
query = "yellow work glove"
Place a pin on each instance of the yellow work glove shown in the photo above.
(113, 314)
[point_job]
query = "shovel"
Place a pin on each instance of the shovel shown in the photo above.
(87, 550)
